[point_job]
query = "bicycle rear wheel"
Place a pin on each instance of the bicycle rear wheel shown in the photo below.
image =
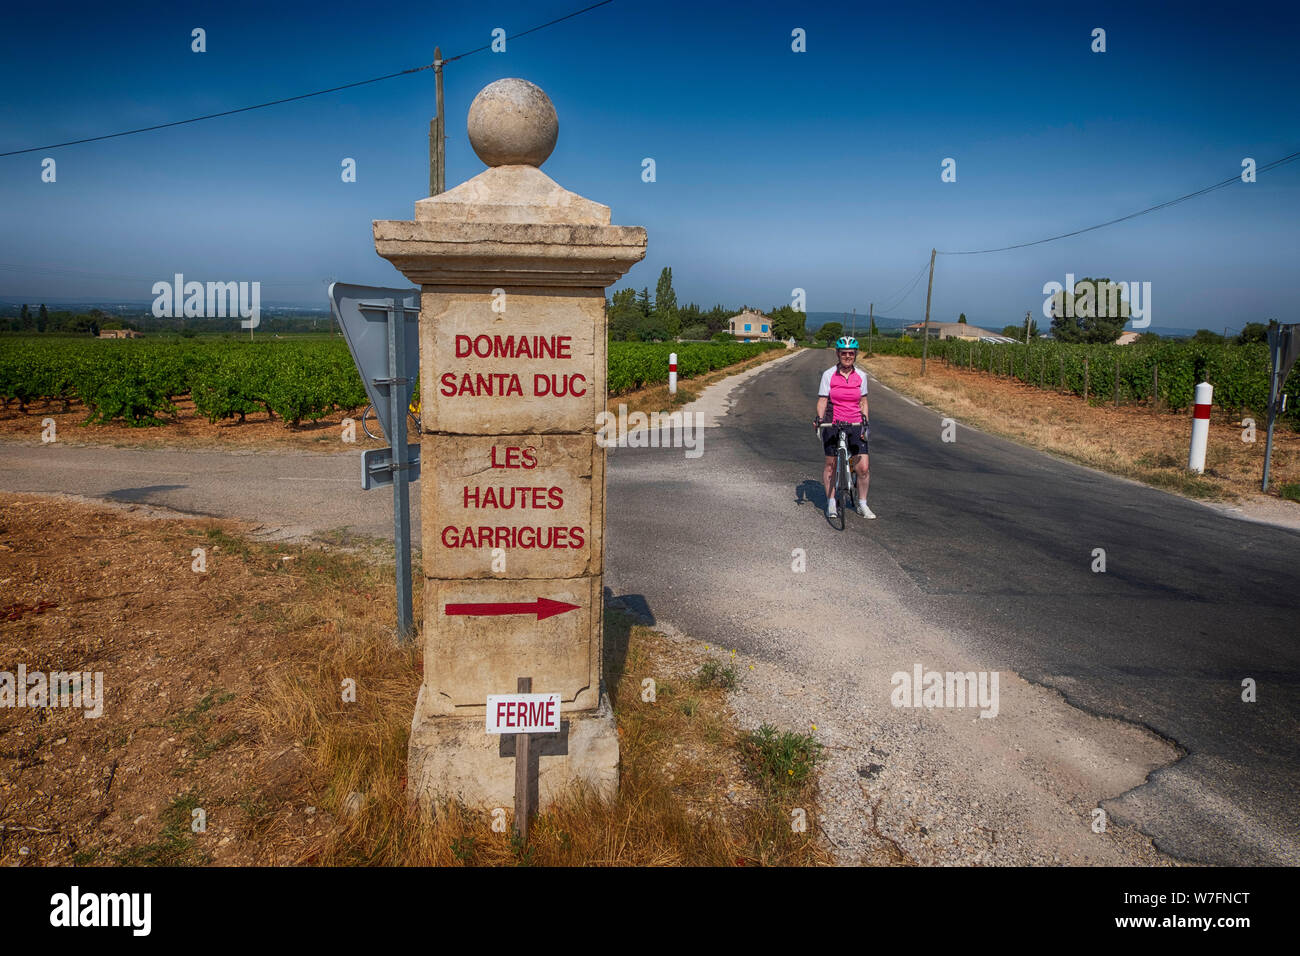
(370, 423)
(842, 495)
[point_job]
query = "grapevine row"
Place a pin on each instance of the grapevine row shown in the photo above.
(138, 382)
(1165, 371)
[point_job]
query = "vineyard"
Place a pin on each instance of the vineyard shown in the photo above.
(1162, 374)
(634, 365)
(139, 381)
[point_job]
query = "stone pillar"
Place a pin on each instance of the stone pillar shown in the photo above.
(513, 271)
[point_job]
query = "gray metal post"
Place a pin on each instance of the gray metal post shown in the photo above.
(401, 487)
(1274, 387)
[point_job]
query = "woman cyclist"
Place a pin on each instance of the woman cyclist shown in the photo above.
(842, 399)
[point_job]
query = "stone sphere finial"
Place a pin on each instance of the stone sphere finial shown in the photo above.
(512, 123)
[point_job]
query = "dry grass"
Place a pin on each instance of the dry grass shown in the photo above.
(684, 798)
(224, 692)
(1133, 441)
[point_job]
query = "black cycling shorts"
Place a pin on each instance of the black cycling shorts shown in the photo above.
(831, 441)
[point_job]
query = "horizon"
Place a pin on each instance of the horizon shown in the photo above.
(775, 170)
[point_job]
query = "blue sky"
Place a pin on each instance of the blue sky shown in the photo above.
(775, 170)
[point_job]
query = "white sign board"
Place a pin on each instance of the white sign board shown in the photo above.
(523, 713)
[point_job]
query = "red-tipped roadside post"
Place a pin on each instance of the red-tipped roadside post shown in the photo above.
(1200, 427)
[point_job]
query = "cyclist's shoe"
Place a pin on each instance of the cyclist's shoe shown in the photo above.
(864, 510)
(831, 510)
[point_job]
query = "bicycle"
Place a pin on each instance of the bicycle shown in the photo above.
(846, 481)
(368, 417)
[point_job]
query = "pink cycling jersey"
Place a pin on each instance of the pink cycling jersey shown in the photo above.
(845, 393)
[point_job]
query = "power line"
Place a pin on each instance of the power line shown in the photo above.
(196, 119)
(301, 96)
(1164, 205)
(549, 23)
(896, 300)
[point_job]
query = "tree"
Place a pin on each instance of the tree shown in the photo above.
(1097, 313)
(716, 318)
(42, 319)
(624, 316)
(1013, 331)
(961, 319)
(1253, 332)
(1208, 337)
(829, 332)
(665, 310)
(643, 303)
(787, 322)
(690, 318)
(651, 330)
(25, 320)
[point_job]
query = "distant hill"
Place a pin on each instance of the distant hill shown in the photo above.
(817, 319)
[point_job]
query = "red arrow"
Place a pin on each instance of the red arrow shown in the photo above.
(542, 607)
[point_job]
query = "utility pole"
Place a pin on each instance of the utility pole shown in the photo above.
(1026, 328)
(871, 326)
(925, 345)
(854, 333)
(437, 134)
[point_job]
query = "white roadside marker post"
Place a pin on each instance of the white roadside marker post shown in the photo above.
(1200, 427)
(672, 373)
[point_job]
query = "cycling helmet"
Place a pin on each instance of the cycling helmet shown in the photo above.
(846, 342)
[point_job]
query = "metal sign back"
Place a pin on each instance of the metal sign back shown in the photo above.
(362, 312)
(1284, 348)
(377, 466)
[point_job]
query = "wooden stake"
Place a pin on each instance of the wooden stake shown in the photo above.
(437, 134)
(523, 797)
(925, 345)
(1117, 383)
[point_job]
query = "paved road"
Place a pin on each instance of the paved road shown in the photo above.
(992, 545)
(297, 494)
(981, 559)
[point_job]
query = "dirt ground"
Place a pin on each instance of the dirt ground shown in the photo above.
(178, 650)
(1134, 441)
(187, 429)
(222, 695)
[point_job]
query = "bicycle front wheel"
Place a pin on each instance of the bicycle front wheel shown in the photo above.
(842, 495)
